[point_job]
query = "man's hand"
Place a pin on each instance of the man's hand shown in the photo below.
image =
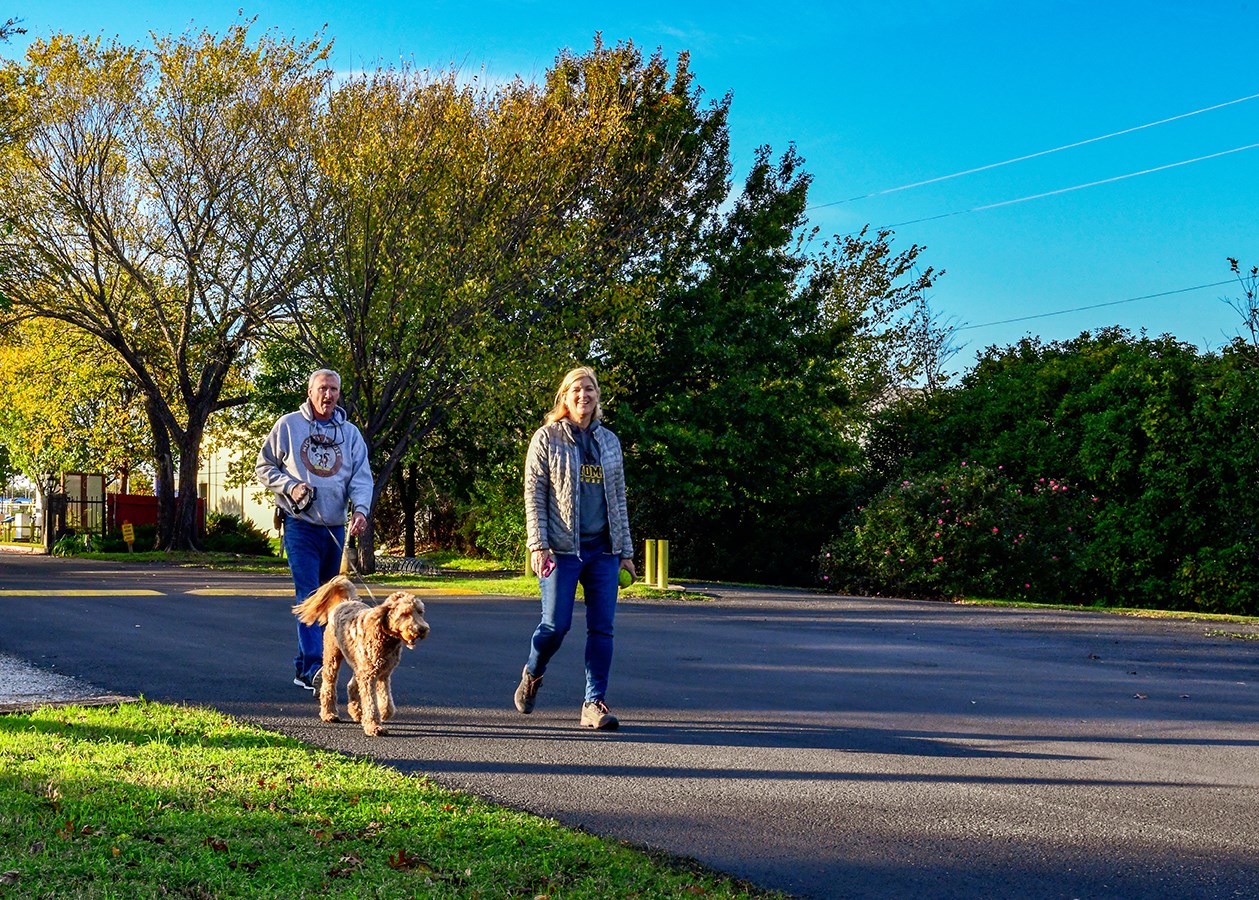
(358, 524)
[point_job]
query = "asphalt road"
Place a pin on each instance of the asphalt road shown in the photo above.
(826, 747)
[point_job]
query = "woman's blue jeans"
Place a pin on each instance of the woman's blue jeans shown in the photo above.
(597, 571)
(314, 553)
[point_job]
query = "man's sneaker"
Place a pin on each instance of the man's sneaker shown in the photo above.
(527, 691)
(595, 714)
(310, 682)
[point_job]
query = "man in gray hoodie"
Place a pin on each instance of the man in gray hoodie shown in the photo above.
(315, 463)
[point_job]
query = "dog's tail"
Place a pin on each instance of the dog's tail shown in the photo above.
(318, 605)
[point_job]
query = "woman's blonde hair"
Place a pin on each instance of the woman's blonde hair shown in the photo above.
(559, 411)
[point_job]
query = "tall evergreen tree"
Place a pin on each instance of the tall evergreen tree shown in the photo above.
(736, 402)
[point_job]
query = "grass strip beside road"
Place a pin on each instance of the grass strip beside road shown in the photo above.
(458, 574)
(146, 800)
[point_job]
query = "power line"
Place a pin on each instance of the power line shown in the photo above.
(1062, 312)
(1078, 187)
(997, 165)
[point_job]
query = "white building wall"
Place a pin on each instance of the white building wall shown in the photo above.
(249, 501)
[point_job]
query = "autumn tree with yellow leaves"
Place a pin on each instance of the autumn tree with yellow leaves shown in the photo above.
(145, 201)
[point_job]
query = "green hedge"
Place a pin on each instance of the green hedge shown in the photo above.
(1155, 448)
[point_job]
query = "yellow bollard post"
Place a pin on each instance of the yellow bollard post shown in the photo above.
(662, 565)
(649, 562)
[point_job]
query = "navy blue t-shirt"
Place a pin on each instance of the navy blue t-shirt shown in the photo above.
(594, 502)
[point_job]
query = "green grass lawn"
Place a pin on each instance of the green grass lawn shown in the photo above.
(458, 573)
(148, 800)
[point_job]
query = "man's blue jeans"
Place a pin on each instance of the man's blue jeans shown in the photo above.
(314, 553)
(596, 570)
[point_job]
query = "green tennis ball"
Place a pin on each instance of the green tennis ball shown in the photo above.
(626, 578)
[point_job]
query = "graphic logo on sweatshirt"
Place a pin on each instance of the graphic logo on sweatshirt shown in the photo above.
(321, 456)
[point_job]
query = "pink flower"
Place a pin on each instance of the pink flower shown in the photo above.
(994, 530)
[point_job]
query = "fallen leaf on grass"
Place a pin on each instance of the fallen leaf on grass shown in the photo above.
(217, 845)
(13, 876)
(404, 860)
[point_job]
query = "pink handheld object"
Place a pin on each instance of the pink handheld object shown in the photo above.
(548, 567)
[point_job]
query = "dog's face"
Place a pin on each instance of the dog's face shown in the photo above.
(406, 617)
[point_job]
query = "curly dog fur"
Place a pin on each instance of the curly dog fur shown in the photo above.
(370, 639)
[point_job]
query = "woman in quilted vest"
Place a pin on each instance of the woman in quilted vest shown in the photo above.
(578, 533)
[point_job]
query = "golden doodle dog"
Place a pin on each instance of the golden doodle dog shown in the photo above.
(370, 639)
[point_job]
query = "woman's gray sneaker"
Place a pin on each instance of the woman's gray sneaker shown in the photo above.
(527, 692)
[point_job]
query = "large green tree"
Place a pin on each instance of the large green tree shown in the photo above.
(738, 400)
(147, 202)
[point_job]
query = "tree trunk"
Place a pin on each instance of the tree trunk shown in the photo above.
(366, 559)
(407, 496)
(48, 526)
(185, 535)
(163, 477)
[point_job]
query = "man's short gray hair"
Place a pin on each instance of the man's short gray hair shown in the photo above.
(319, 373)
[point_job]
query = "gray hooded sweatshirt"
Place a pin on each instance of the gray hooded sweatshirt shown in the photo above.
(329, 456)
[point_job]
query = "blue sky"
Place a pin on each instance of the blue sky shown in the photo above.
(878, 95)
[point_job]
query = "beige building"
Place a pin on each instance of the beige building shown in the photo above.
(223, 494)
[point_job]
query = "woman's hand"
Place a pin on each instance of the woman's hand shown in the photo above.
(628, 565)
(542, 562)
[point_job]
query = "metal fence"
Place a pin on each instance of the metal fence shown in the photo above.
(405, 565)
